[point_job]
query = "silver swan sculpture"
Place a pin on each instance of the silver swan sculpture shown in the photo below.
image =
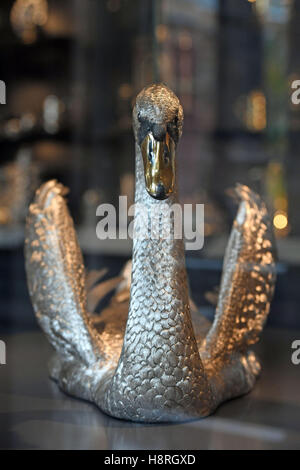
(150, 356)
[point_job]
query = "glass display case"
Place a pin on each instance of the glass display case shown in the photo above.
(71, 72)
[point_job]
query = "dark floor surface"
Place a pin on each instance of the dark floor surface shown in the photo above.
(34, 414)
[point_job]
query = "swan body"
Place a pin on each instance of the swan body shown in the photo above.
(150, 356)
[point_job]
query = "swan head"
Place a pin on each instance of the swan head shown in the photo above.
(157, 124)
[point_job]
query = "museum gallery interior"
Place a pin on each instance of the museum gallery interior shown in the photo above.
(149, 227)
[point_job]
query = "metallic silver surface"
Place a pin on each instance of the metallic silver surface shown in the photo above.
(35, 415)
(147, 357)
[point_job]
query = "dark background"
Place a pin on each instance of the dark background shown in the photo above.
(72, 70)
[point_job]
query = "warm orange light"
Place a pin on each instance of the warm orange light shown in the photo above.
(162, 32)
(256, 111)
(281, 203)
(4, 216)
(125, 91)
(280, 220)
(26, 15)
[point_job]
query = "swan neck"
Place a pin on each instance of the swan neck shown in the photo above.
(159, 298)
(159, 370)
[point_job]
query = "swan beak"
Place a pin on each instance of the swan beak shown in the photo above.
(159, 165)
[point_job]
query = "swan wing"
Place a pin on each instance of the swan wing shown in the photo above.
(56, 276)
(248, 280)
